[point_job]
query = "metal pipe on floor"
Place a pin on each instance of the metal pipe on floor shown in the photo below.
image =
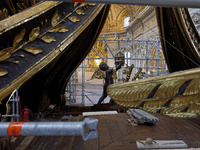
(160, 3)
(50, 129)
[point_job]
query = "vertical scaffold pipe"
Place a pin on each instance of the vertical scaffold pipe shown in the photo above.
(50, 129)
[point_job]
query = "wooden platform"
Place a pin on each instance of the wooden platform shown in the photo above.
(115, 133)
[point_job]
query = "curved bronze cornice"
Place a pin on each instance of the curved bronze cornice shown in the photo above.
(179, 38)
(26, 15)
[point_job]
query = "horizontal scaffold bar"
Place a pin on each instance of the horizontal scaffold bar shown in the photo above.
(160, 3)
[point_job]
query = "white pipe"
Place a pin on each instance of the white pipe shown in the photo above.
(158, 3)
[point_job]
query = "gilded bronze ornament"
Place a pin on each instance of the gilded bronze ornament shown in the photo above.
(73, 19)
(55, 18)
(58, 28)
(139, 75)
(119, 57)
(18, 38)
(48, 39)
(6, 53)
(80, 12)
(34, 34)
(175, 95)
(3, 72)
(127, 71)
(15, 7)
(98, 74)
(34, 50)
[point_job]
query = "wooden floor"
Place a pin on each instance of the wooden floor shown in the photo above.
(115, 133)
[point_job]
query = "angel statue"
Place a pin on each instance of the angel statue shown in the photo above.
(109, 75)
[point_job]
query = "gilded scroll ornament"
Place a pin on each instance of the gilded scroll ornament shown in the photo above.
(48, 39)
(3, 72)
(73, 19)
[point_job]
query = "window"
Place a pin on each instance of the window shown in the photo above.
(126, 21)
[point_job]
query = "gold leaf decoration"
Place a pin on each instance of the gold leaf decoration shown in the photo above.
(20, 6)
(1, 15)
(25, 7)
(22, 55)
(5, 13)
(48, 39)
(82, 5)
(42, 23)
(15, 62)
(19, 37)
(162, 94)
(34, 50)
(73, 19)
(11, 6)
(80, 12)
(25, 2)
(3, 72)
(59, 28)
(55, 18)
(34, 34)
(91, 4)
(33, 2)
(98, 74)
(6, 53)
(75, 4)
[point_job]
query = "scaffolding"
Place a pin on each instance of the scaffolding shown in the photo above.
(145, 54)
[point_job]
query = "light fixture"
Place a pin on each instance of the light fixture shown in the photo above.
(97, 61)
